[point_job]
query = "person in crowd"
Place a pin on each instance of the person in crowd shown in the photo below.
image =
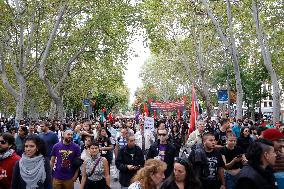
(22, 134)
(277, 138)
(255, 175)
(58, 129)
(150, 176)
(33, 170)
(221, 133)
(253, 133)
(175, 137)
(8, 159)
(237, 128)
(208, 163)
(32, 129)
(183, 177)
(244, 140)
(196, 136)
(129, 160)
(270, 125)
(86, 130)
(144, 138)
(96, 127)
(105, 145)
(65, 152)
(121, 141)
(49, 137)
(163, 150)
(13, 131)
(234, 158)
(95, 170)
(85, 149)
(77, 135)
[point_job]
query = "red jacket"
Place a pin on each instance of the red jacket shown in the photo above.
(6, 170)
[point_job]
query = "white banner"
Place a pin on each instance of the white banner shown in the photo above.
(149, 123)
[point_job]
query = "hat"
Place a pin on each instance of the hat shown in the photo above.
(272, 134)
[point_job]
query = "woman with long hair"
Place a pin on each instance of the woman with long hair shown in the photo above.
(244, 140)
(105, 145)
(175, 137)
(95, 170)
(183, 177)
(33, 171)
(150, 176)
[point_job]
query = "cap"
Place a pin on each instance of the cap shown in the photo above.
(272, 134)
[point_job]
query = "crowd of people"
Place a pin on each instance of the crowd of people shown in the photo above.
(221, 154)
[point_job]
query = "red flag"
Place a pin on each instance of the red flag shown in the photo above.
(194, 112)
(155, 114)
(178, 114)
(146, 110)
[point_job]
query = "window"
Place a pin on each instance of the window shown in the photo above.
(270, 104)
(265, 104)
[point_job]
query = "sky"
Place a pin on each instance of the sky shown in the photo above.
(137, 59)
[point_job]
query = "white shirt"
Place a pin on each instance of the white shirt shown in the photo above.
(149, 138)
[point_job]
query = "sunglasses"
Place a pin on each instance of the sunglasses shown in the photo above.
(3, 142)
(162, 134)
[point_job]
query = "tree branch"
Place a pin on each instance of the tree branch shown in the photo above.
(49, 42)
(4, 77)
(68, 66)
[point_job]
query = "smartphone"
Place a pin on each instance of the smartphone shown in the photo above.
(240, 155)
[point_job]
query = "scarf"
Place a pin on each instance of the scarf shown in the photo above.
(32, 170)
(7, 154)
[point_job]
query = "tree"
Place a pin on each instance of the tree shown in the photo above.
(265, 51)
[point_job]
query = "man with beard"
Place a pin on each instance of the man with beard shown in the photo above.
(8, 159)
(49, 137)
(62, 156)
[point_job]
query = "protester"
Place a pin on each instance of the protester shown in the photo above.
(33, 170)
(237, 128)
(95, 170)
(183, 177)
(196, 136)
(234, 158)
(144, 138)
(221, 133)
(85, 149)
(49, 137)
(244, 140)
(150, 176)
(277, 138)
(175, 137)
(105, 145)
(129, 160)
(254, 175)
(22, 134)
(163, 150)
(8, 159)
(65, 152)
(208, 163)
(121, 141)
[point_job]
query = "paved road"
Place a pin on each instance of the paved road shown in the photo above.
(113, 184)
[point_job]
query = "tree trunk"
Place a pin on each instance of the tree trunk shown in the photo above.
(59, 109)
(229, 46)
(265, 51)
(52, 110)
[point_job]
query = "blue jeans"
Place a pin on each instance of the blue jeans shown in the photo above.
(230, 181)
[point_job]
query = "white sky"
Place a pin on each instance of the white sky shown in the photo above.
(137, 59)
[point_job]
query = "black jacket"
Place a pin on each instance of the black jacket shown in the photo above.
(170, 155)
(123, 159)
(250, 178)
